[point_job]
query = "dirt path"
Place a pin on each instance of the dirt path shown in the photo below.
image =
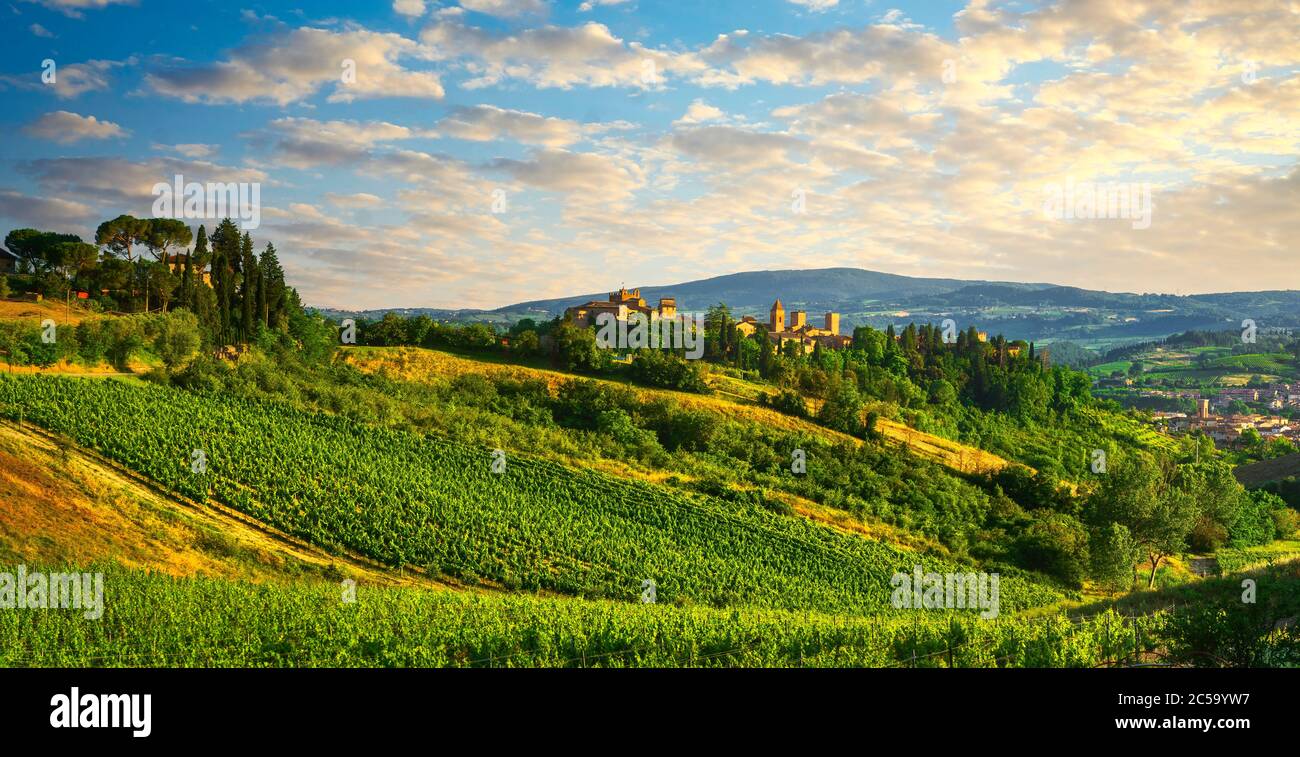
(1203, 567)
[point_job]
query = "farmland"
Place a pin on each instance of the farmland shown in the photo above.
(1203, 366)
(157, 620)
(232, 624)
(436, 504)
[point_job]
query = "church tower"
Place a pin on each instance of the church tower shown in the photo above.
(778, 317)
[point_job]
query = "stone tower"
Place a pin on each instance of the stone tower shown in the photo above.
(778, 317)
(833, 323)
(798, 319)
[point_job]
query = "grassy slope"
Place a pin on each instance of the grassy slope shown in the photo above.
(34, 312)
(733, 398)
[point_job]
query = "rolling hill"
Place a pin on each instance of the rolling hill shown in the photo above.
(1038, 311)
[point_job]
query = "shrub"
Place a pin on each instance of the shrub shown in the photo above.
(177, 339)
(1207, 536)
(664, 369)
(1113, 556)
(1056, 545)
(1285, 522)
(786, 401)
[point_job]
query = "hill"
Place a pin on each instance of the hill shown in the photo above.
(1038, 312)
(409, 499)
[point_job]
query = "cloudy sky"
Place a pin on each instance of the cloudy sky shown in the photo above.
(474, 154)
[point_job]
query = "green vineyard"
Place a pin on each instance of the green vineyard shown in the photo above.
(153, 620)
(406, 499)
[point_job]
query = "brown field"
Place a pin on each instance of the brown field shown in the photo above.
(18, 310)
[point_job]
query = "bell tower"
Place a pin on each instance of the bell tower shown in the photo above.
(778, 317)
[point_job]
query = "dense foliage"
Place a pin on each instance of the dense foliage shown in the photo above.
(246, 295)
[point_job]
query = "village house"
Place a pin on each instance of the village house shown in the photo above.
(621, 305)
(797, 330)
(176, 264)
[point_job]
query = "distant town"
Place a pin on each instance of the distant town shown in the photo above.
(1222, 418)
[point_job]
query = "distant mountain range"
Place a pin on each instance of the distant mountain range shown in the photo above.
(1037, 312)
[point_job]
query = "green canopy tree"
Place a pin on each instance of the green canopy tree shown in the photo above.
(1154, 501)
(74, 259)
(160, 236)
(178, 339)
(37, 250)
(121, 234)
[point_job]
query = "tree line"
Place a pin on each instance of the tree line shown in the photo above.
(143, 265)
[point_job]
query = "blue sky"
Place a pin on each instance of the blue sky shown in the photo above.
(654, 142)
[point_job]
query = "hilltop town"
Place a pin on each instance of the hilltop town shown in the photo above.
(625, 304)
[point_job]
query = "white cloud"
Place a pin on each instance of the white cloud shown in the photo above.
(699, 112)
(119, 185)
(188, 150)
(74, 8)
(505, 8)
(817, 5)
(291, 66)
(357, 200)
(484, 123)
(552, 56)
(70, 81)
(40, 31)
(44, 212)
(843, 56)
(65, 128)
(589, 5)
(596, 177)
(308, 143)
(409, 8)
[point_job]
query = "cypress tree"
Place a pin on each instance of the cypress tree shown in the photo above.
(184, 296)
(275, 290)
(248, 289)
(225, 262)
